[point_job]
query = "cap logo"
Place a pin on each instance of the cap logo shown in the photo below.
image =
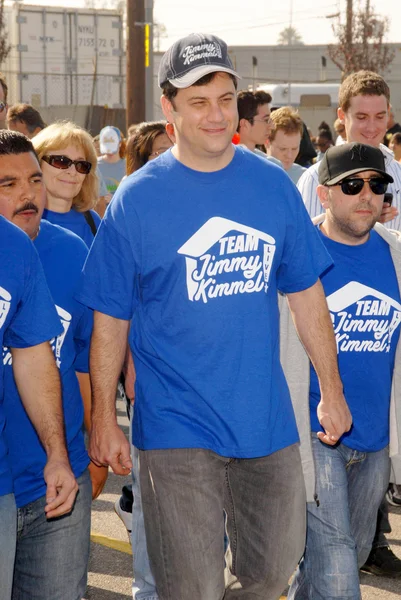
(358, 152)
(193, 53)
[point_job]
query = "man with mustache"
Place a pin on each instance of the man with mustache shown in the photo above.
(51, 554)
(28, 321)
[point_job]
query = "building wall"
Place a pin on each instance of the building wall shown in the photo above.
(301, 64)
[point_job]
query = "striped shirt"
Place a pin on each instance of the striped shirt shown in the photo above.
(309, 181)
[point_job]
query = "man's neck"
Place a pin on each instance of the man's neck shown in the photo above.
(111, 158)
(329, 229)
(248, 143)
(203, 163)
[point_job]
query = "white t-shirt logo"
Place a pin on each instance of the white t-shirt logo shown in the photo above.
(363, 318)
(225, 258)
(57, 343)
(5, 304)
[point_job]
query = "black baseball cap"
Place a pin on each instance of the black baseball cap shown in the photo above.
(193, 57)
(345, 160)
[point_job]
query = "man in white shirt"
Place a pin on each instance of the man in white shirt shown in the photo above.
(364, 101)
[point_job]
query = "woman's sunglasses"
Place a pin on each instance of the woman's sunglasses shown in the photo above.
(59, 161)
(354, 185)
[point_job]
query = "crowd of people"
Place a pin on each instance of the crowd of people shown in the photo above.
(239, 280)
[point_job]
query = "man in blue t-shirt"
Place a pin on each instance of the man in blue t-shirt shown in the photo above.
(192, 252)
(28, 321)
(363, 295)
(51, 555)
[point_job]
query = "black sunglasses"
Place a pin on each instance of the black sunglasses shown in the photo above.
(59, 161)
(354, 185)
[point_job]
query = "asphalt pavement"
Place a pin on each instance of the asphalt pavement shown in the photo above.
(110, 566)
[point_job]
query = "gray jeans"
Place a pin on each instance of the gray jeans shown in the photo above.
(184, 494)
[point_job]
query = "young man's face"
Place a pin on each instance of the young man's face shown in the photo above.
(352, 217)
(285, 147)
(22, 193)
(366, 119)
(261, 126)
(205, 119)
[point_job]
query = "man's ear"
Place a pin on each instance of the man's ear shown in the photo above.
(323, 194)
(243, 124)
(167, 108)
(341, 114)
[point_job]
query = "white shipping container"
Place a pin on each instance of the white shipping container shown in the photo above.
(64, 56)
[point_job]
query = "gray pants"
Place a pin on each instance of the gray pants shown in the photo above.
(184, 494)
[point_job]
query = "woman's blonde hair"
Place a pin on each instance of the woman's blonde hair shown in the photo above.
(61, 134)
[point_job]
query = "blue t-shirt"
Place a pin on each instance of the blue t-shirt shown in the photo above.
(27, 314)
(75, 222)
(62, 255)
(196, 261)
(364, 302)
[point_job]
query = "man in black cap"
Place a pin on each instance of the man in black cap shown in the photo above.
(363, 295)
(193, 250)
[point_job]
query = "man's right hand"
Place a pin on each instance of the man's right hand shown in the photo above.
(108, 446)
(61, 488)
(334, 417)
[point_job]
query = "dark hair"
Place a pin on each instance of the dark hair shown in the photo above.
(140, 144)
(4, 86)
(13, 142)
(249, 102)
(396, 138)
(362, 83)
(25, 113)
(325, 132)
(170, 91)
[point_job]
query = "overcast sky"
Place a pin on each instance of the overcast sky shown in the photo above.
(257, 22)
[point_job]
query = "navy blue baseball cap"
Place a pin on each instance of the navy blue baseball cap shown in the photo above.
(193, 57)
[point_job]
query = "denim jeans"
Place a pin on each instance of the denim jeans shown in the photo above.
(350, 487)
(143, 586)
(383, 526)
(184, 494)
(8, 536)
(52, 554)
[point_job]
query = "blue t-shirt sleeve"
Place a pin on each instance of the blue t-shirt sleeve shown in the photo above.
(304, 256)
(110, 275)
(36, 319)
(82, 340)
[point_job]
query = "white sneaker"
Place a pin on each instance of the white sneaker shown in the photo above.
(126, 517)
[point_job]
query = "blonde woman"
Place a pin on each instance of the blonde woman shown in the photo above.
(68, 160)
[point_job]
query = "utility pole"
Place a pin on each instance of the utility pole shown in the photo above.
(136, 84)
(149, 30)
(348, 37)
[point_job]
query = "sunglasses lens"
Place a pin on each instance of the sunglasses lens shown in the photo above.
(83, 167)
(378, 186)
(60, 162)
(351, 187)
